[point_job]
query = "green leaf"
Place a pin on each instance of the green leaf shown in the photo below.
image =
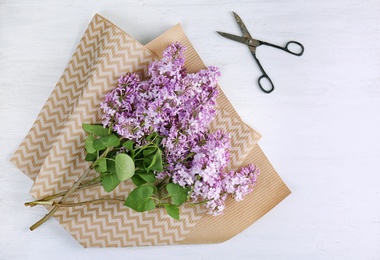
(148, 177)
(149, 162)
(140, 199)
(177, 193)
(125, 168)
(101, 165)
(158, 140)
(149, 157)
(140, 164)
(98, 130)
(149, 151)
(110, 140)
(129, 145)
(110, 182)
(172, 210)
(111, 167)
(151, 136)
(137, 180)
(140, 171)
(91, 157)
(89, 144)
(157, 166)
(99, 145)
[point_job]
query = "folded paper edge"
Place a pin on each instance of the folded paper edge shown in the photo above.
(109, 28)
(37, 130)
(269, 186)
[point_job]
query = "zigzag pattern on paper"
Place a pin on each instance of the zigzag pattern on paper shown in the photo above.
(32, 152)
(65, 160)
(114, 225)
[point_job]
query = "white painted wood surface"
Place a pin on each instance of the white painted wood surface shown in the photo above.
(321, 125)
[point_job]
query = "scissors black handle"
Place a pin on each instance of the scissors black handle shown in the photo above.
(264, 76)
(286, 48)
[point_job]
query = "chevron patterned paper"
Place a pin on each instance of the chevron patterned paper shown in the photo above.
(52, 153)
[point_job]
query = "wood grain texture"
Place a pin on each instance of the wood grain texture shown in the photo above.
(320, 126)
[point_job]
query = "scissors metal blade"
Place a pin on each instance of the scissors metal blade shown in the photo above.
(234, 37)
(242, 26)
(241, 39)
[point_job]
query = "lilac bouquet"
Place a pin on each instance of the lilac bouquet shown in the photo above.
(156, 133)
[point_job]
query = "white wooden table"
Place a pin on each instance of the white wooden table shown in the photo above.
(321, 125)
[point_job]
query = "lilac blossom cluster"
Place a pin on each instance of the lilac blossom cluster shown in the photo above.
(179, 106)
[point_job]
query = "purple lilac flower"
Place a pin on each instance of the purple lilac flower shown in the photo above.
(179, 106)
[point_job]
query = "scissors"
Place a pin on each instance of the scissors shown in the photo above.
(253, 44)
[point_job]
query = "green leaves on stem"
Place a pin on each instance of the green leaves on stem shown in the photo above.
(147, 197)
(97, 130)
(177, 193)
(115, 165)
(148, 160)
(110, 182)
(172, 210)
(140, 199)
(89, 144)
(117, 160)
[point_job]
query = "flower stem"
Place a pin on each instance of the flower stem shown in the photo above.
(88, 184)
(198, 203)
(71, 190)
(162, 182)
(60, 204)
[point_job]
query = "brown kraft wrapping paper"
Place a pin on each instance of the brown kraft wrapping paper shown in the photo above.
(52, 153)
